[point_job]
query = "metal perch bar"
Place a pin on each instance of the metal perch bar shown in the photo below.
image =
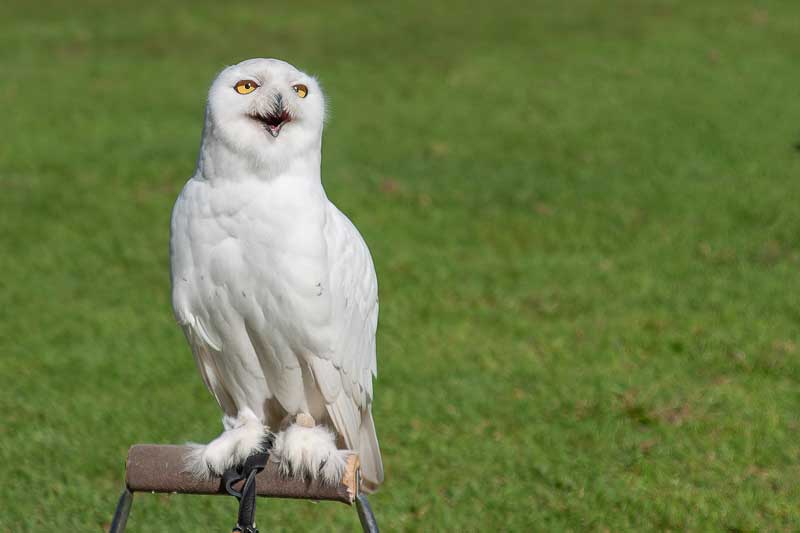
(161, 468)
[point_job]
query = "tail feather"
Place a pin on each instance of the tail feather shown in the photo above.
(370, 454)
(357, 431)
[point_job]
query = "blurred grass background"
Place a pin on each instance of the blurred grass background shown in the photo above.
(584, 218)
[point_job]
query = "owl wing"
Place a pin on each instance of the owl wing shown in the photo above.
(344, 374)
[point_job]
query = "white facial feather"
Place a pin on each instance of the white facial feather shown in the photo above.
(236, 134)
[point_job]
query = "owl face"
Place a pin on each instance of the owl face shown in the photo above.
(266, 109)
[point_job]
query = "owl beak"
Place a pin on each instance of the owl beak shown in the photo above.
(274, 130)
(274, 119)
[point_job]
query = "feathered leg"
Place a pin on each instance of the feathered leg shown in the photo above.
(244, 435)
(308, 450)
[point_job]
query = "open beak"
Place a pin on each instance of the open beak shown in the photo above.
(274, 118)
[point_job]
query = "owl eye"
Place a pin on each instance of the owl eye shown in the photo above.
(245, 86)
(301, 90)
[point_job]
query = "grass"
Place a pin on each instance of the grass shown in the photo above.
(584, 220)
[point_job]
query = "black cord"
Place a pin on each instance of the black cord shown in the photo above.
(246, 517)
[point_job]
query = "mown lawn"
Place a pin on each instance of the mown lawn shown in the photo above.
(584, 217)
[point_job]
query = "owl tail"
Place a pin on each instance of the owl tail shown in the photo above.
(369, 453)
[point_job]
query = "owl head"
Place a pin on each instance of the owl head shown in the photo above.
(265, 112)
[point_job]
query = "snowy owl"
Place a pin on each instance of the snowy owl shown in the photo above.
(272, 285)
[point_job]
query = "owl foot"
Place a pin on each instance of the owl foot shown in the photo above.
(244, 435)
(310, 452)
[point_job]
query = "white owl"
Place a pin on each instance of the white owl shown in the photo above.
(273, 286)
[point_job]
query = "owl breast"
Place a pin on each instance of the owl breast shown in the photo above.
(249, 265)
(262, 242)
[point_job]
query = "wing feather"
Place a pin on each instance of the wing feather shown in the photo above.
(205, 354)
(345, 379)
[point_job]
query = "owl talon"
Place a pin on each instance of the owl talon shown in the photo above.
(243, 437)
(310, 452)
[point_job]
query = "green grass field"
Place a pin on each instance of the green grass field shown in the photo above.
(584, 218)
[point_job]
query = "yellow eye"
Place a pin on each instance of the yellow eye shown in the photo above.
(245, 86)
(301, 90)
